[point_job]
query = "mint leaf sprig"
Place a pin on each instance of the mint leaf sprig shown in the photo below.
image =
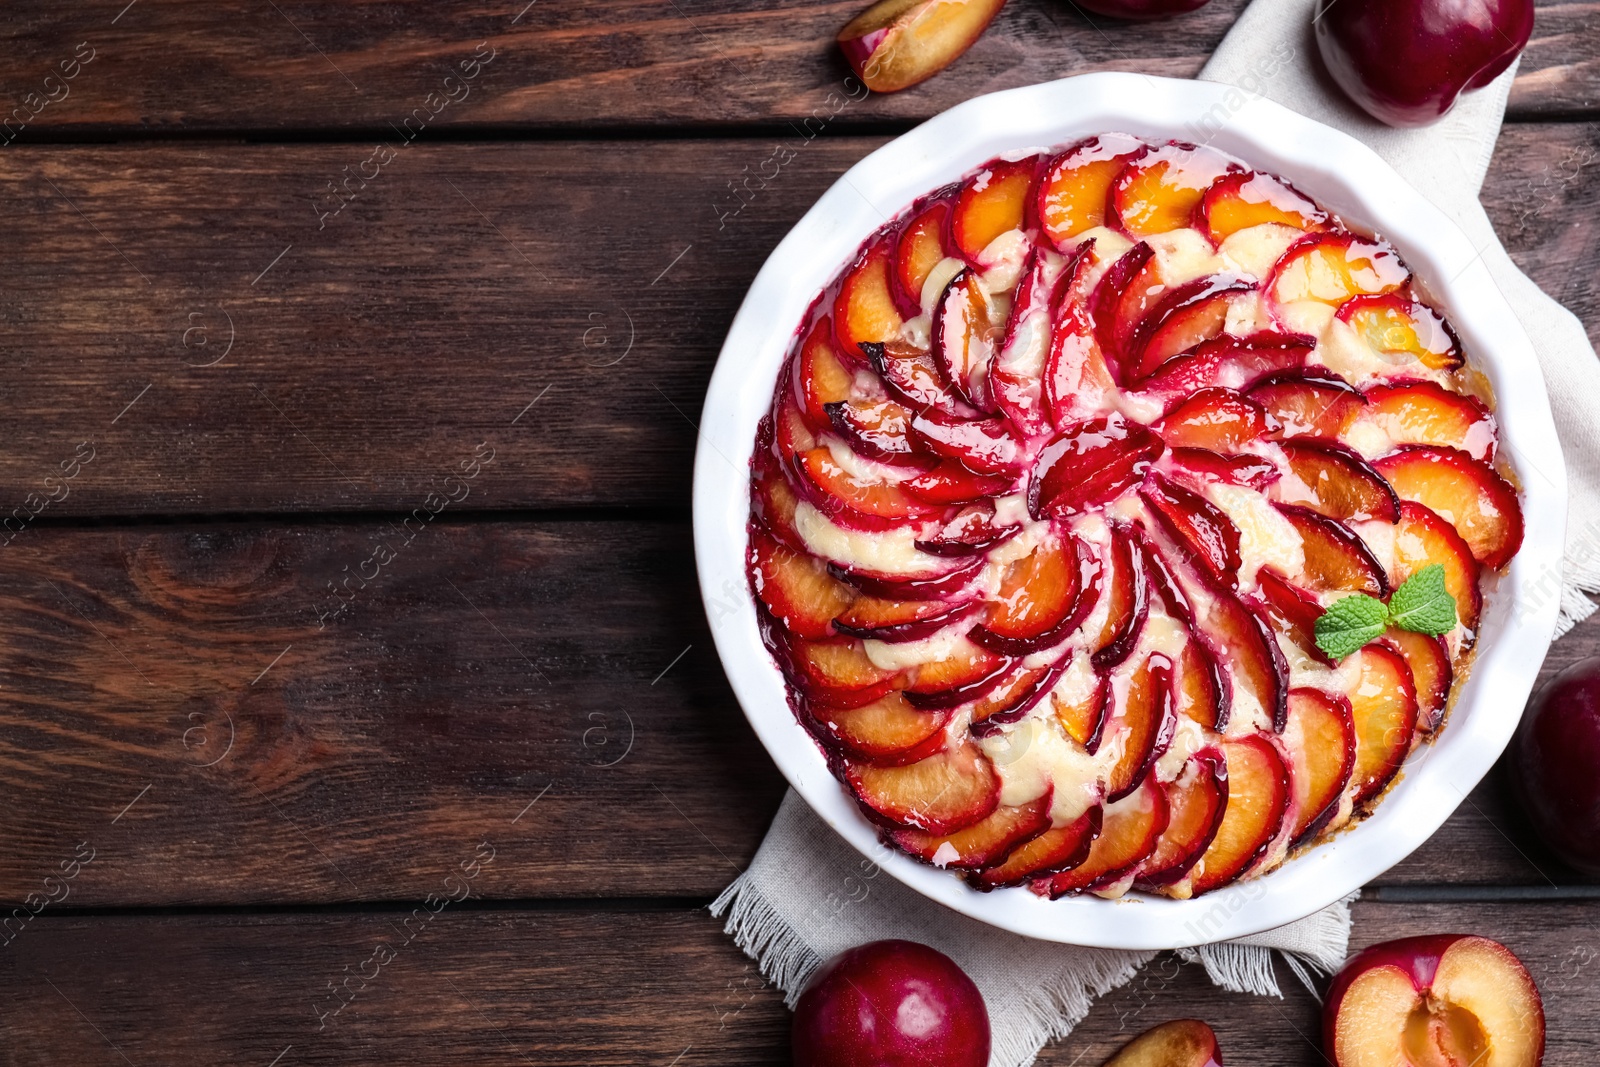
(1421, 604)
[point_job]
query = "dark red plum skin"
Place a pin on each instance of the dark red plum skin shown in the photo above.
(1555, 764)
(890, 1004)
(1406, 61)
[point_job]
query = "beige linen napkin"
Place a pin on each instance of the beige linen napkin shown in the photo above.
(808, 894)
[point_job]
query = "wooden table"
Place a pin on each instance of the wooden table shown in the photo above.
(353, 354)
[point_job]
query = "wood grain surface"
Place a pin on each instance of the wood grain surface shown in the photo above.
(199, 706)
(370, 350)
(599, 987)
(160, 68)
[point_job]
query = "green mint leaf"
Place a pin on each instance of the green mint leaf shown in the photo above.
(1422, 604)
(1350, 623)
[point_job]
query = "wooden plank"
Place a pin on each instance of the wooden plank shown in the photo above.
(599, 987)
(593, 281)
(484, 668)
(160, 68)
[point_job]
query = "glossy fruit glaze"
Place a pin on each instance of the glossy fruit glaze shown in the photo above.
(1058, 477)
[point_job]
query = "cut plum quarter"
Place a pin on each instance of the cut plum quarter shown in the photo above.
(1121, 299)
(1077, 379)
(1159, 190)
(1426, 413)
(1132, 827)
(1014, 697)
(974, 529)
(1196, 800)
(1014, 380)
(1219, 420)
(894, 44)
(820, 376)
(1038, 599)
(992, 202)
(1330, 268)
(1208, 538)
(1421, 538)
(942, 579)
(838, 673)
(1241, 200)
(1076, 189)
(1336, 559)
(1229, 362)
(1320, 737)
(1178, 1043)
(1334, 481)
(865, 311)
(1145, 722)
(1383, 706)
(1201, 688)
(969, 672)
(1258, 800)
(796, 587)
(1201, 465)
(1126, 583)
(1307, 404)
(901, 620)
(1400, 324)
(1185, 318)
(856, 502)
(964, 338)
(914, 375)
(1431, 671)
(983, 446)
(920, 249)
(1083, 716)
(773, 501)
(1059, 848)
(941, 794)
(887, 732)
(1292, 612)
(982, 844)
(1089, 463)
(953, 483)
(880, 430)
(1468, 494)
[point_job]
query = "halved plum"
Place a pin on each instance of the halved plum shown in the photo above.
(1243, 199)
(1059, 848)
(1334, 481)
(1144, 720)
(1220, 420)
(1421, 538)
(1037, 604)
(1090, 463)
(1480, 504)
(888, 731)
(964, 338)
(1320, 738)
(1185, 318)
(940, 794)
(1208, 538)
(1426, 413)
(1159, 190)
(1196, 800)
(992, 202)
(1431, 672)
(865, 311)
(919, 250)
(1332, 267)
(1319, 404)
(982, 844)
(796, 587)
(984, 446)
(1076, 188)
(1336, 560)
(972, 530)
(1383, 706)
(1398, 323)
(1132, 828)
(1258, 799)
(880, 430)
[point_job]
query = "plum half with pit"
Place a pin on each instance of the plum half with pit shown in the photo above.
(891, 1004)
(1406, 61)
(1555, 764)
